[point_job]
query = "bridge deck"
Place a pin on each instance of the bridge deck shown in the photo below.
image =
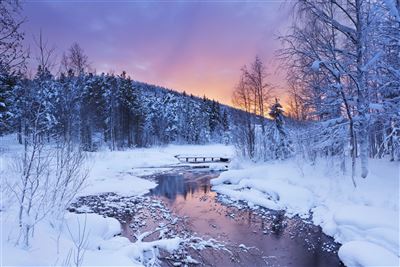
(202, 159)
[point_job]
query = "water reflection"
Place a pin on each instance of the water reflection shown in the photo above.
(277, 225)
(171, 186)
(283, 241)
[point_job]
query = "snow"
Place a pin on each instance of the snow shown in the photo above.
(391, 5)
(354, 215)
(56, 241)
(358, 218)
(315, 66)
(97, 228)
(53, 247)
(118, 171)
(372, 61)
(365, 220)
(100, 245)
(361, 253)
(376, 106)
(275, 194)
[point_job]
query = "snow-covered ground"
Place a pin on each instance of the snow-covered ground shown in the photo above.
(118, 171)
(365, 220)
(89, 239)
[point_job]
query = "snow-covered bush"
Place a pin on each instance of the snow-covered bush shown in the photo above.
(43, 181)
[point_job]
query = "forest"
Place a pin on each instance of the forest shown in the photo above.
(106, 110)
(316, 158)
(342, 63)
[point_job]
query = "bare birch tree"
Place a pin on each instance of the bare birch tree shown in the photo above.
(245, 135)
(253, 95)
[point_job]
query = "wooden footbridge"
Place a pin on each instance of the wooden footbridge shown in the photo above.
(202, 159)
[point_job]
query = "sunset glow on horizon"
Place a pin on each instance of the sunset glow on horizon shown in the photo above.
(197, 47)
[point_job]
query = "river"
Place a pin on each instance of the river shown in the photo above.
(275, 239)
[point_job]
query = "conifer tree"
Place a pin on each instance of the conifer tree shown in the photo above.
(281, 147)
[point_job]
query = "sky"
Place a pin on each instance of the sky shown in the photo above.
(193, 46)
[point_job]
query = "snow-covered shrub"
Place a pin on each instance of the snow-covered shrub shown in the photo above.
(43, 181)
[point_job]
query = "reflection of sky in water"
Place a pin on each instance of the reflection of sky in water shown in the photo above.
(287, 241)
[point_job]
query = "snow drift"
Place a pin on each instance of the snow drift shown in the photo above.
(364, 219)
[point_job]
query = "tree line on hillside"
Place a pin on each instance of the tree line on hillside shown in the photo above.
(74, 105)
(94, 110)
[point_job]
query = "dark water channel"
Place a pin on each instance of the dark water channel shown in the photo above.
(276, 240)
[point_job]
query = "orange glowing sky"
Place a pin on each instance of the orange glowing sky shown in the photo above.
(197, 47)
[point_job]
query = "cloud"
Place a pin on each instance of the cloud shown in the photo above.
(194, 46)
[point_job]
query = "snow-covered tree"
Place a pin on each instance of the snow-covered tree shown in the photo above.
(12, 59)
(279, 145)
(341, 55)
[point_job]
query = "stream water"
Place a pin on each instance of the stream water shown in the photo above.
(275, 239)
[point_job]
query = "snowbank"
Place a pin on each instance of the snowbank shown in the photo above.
(364, 219)
(361, 253)
(90, 235)
(273, 193)
(118, 171)
(92, 228)
(93, 234)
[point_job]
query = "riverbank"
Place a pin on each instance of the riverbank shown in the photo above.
(86, 239)
(211, 230)
(119, 171)
(365, 220)
(256, 237)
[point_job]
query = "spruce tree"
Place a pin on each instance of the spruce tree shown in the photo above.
(280, 146)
